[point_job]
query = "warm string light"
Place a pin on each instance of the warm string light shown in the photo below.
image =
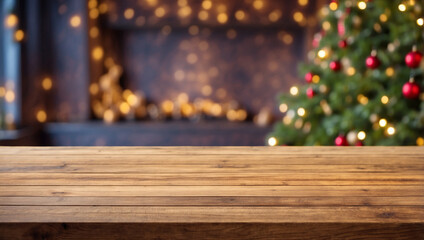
(302, 2)
(301, 112)
(350, 71)
(283, 108)
(9, 96)
(160, 12)
(258, 4)
(402, 7)
(390, 71)
(97, 53)
(299, 18)
(272, 141)
(47, 83)
(362, 99)
(322, 53)
(384, 99)
(75, 21)
(11, 21)
(362, 5)
(333, 5)
(294, 91)
(19, 35)
(382, 122)
(41, 116)
(391, 130)
(361, 135)
(129, 13)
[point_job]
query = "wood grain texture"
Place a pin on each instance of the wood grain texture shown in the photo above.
(211, 231)
(376, 192)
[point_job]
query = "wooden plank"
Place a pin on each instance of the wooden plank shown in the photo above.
(286, 191)
(219, 168)
(213, 231)
(380, 185)
(234, 179)
(369, 151)
(146, 214)
(212, 201)
(207, 159)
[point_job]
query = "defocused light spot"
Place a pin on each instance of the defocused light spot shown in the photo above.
(47, 83)
(11, 20)
(207, 4)
(333, 5)
(192, 58)
(203, 15)
(207, 90)
(301, 112)
(75, 21)
(184, 11)
(362, 5)
(283, 108)
(258, 4)
(94, 32)
(19, 35)
(391, 130)
(361, 135)
(272, 141)
(382, 122)
(124, 108)
(240, 15)
(298, 17)
(129, 13)
(294, 90)
(384, 99)
(390, 71)
(97, 53)
(9, 96)
(322, 54)
(41, 116)
(94, 13)
(160, 12)
(222, 18)
(302, 2)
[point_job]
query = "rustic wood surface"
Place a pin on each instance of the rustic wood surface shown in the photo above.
(334, 192)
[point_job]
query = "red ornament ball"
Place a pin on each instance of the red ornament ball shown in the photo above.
(359, 144)
(411, 90)
(372, 62)
(310, 92)
(335, 66)
(413, 59)
(342, 43)
(341, 141)
(308, 77)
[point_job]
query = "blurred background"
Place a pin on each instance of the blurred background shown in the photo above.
(148, 72)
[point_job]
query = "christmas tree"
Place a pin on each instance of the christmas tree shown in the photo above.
(364, 79)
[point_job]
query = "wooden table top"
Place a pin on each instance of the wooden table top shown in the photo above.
(212, 184)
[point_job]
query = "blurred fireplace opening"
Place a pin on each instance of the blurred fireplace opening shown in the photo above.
(244, 52)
